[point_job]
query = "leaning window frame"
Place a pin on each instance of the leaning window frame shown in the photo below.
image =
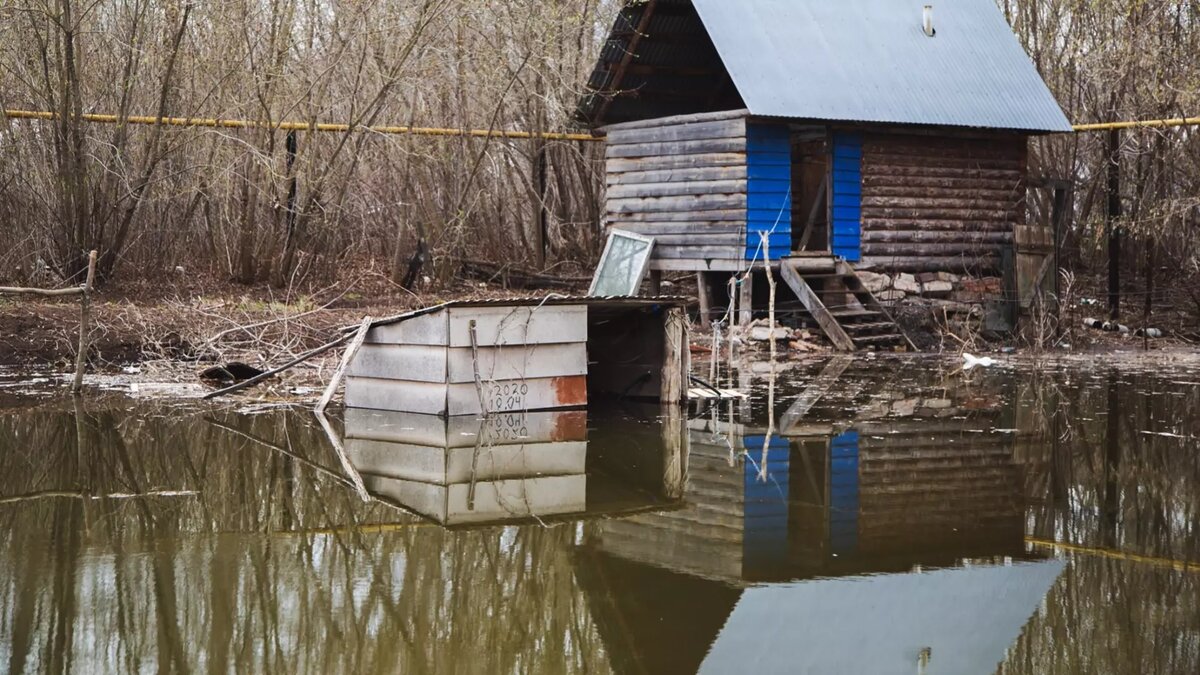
(613, 234)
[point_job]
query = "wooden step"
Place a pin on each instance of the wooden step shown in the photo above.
(865, 327)
(890, 338)
(854, 313)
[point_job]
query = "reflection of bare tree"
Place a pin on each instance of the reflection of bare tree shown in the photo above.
(275, 565)
(1110, 471)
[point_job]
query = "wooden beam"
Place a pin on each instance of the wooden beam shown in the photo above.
(813, 304)
(627, 58)
(746, 299)
(338, 374)
(704, 293)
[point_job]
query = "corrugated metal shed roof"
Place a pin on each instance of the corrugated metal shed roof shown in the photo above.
(616, 302)
(834, 60)
(871, 61)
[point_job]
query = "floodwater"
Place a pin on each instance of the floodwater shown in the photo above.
(860, 516)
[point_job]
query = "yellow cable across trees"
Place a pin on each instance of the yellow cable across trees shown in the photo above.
(472, 133)
(1139, 124)
(302, 126)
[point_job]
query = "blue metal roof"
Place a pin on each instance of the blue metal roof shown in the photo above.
(871, 61)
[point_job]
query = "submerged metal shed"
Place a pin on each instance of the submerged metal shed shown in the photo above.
(491, 356)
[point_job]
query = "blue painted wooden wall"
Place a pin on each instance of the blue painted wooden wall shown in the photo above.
(768, 189)
(765, 514)
(847, 196)
(843, 493)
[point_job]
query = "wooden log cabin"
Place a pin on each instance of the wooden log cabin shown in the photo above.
(828, 138)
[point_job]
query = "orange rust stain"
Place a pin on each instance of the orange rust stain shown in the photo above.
(570, 426)
(572, 390)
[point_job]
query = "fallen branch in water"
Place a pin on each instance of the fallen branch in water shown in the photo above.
(338, 374)
(279, 448)
(84, 495)
(340, 451)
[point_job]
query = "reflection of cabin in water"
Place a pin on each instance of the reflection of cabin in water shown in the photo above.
(920, 481)
(841, 131)
(904, 498)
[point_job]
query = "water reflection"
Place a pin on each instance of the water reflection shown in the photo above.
(514, 466)
(867, 517)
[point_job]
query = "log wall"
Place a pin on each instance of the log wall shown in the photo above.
(941, 203)
(683, 181)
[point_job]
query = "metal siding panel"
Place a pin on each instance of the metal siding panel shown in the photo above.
(843, 492)
(765, 510)
(768, 198)
(847, 196)
(870, 61)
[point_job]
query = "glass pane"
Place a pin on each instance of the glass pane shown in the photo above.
(620, 272)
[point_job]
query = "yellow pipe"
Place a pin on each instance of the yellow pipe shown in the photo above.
(1137, 124)
(302, 126)
(474, 133)
(1177, 565)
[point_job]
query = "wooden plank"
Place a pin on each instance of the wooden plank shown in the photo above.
(940, 214)
(706, 239)
(815, 391)
(427, 329)
(700, 252)
(676, 354)
(933, 263)
(347, 357)
(678, 119)
(675, 148)
(677, 175)
(659, 229)
(460, 432)
(704, 295)
(936, 202)
(672, 162)
(687, 203)
(517, 325)
(943, 161)
(708, 187)
(909, 223)
(932, 172)
(463, 399)
(815, 307)
(445, 466)
(1005, 194)
(938, 236)
(708, 216)
(668, 133)
(916, 249)
(425, 363)
(877, 181)
(698, 265)
(486, 501)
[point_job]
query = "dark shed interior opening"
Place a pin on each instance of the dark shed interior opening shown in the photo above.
(626, 351)
(810, 190)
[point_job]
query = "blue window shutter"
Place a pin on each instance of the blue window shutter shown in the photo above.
(847, 196)
(768, 189)
(843, 493)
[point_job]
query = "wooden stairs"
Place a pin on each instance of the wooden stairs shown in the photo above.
(856, 324)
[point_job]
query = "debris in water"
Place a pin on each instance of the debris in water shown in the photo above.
(970, 361)
(234, 371)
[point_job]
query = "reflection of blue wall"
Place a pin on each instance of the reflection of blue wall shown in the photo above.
(843, 493)
(847, 196)
(765, 517)
(768, 189)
